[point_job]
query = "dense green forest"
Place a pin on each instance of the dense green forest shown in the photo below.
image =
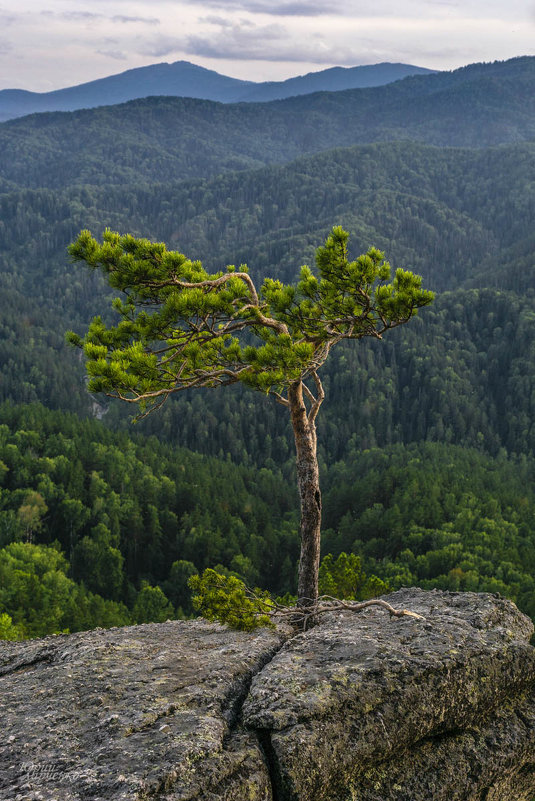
(463, 372)
(426, 439)
(101, 528)
(122, 515)
(168, 139)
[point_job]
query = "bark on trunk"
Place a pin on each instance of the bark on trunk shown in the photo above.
(309, 493)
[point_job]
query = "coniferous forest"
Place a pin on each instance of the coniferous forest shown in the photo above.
(426, 440)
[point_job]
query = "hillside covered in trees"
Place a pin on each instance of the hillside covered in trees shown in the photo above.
(98, 528)
(426, 440)
(184, 79)
(165, 138)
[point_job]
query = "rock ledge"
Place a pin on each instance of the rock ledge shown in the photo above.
(363, 706)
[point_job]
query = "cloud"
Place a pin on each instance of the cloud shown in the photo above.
(247, 41)
(5, 46)
(6, 18)
(277, 8)
(161, 46)
(363, 9)
(293, 9)
(72, 16)
(307, 8)
(244, 40)
(116, 54)
(91, 16)
(213, 20)
(147, 20)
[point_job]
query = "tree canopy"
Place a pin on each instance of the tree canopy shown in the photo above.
(180, 326)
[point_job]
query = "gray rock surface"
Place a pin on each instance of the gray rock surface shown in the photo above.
(362, 707)
(376, 708)
(132, 713)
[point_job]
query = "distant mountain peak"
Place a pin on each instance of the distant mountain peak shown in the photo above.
(185, 79)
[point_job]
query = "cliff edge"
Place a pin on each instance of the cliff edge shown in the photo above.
(362, 707)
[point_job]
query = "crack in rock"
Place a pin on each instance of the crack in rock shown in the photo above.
(87, 727)
(46, 656)
(361, 706)
(361, 690)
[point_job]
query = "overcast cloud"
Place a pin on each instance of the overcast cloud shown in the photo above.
(92, 16)
(59, 43)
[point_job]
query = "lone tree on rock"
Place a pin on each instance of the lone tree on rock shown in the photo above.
(182, 328)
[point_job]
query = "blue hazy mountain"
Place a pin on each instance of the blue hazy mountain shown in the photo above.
(183, 79)
(335, 79)
(161, 139)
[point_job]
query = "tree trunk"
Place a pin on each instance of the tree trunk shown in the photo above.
(309, 494)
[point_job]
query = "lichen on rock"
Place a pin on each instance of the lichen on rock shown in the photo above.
(363, 706)
(132, 713)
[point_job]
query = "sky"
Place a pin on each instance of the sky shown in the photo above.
(56, 43)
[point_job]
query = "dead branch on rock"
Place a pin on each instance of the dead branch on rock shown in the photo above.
(303, 615)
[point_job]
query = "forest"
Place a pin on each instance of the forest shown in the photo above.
(162, 139)
(102, 528)
(426, 440)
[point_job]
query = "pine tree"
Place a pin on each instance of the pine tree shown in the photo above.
(182, 328)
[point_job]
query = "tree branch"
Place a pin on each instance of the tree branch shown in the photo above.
(205, 379)
(279, 398)
(309, 394)
(319, 398)
(299, 616)
(268, 322)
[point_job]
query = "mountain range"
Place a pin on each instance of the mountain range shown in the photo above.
(183, 79)
(245, 182)
(426, 439)
(166, 138)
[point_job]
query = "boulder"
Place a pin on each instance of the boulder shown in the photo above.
(363, 706)
(129, 713)
(376, 708)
